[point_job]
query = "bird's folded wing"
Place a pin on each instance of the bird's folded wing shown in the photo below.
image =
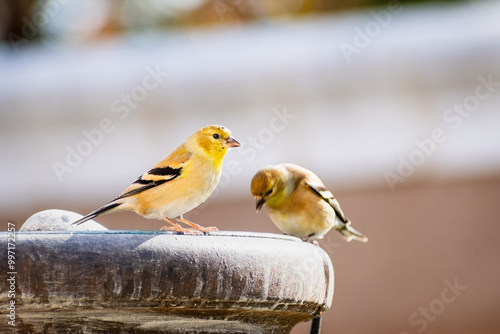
(327, 196)
(140, 185)
(165, 171)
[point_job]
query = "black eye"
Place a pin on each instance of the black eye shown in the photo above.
(216, 136)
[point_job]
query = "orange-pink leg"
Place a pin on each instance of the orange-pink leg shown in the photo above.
(176, 227)
(197, 227)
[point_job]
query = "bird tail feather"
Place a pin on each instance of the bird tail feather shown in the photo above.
(101, 211)
(349, 233)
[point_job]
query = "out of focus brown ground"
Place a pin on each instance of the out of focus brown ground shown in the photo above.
(420, 236)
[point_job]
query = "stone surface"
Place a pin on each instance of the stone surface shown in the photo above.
(59, 220)
(163, 282)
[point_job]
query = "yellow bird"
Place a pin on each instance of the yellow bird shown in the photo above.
(299, 204)
(178, 183)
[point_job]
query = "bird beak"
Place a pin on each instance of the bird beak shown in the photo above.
(231, 142)
(259, 202)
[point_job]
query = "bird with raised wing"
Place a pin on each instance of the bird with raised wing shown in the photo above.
(299, 204)
(178, 183)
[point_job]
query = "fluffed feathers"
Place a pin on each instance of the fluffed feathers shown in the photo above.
(299, 204)
(178, 183)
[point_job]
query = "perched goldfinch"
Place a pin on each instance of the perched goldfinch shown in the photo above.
(299, 204)
(178, 183)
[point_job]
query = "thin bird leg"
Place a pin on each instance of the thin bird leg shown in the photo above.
(308, 239)
(197, 227)
(176, 227)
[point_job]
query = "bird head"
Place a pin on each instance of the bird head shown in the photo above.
(267, 186)
(214, 140)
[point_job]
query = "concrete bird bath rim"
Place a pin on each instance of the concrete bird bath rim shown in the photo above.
(163, 281)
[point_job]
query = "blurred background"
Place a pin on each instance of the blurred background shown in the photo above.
(394, 105)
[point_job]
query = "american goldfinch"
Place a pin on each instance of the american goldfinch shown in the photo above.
(178, 183)
(299, 204)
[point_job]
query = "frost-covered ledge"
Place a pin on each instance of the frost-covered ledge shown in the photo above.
(150, 282)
